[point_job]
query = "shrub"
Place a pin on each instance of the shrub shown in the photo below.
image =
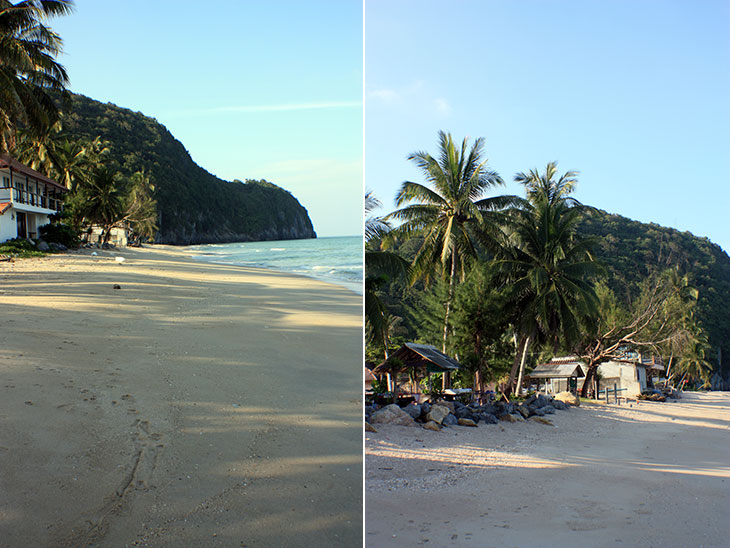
(60, 234)
(20, 247)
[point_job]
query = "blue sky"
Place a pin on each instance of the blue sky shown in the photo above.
(252, 89)
(633, 95)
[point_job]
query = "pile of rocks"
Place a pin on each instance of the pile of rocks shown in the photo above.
(453, 413)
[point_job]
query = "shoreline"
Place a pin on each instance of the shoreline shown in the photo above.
(355, 287)
(652, 474)
(345, 285)
(193, 406)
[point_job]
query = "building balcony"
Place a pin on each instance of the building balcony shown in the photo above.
(24, 200)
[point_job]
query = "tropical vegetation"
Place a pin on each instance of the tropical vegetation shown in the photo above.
(503, 283)
(29, 72)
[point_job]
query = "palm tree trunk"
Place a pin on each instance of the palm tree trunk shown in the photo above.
(669, 367)
(445, 380)
(522, 365)
(515, 365)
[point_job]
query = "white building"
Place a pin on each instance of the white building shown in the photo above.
(634, 373)
(27, 198)
(631, 374)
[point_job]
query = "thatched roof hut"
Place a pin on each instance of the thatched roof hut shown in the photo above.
(423, 358)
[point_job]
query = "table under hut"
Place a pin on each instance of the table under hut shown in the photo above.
(411, 363)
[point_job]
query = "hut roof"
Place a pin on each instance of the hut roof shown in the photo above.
(414, 355)
(558, 368)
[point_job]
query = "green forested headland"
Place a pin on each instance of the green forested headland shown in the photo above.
(631, 251)
(194, 206)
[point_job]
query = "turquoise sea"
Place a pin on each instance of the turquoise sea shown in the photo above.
(337, 260)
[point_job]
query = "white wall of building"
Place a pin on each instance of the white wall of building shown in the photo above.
(624, 375)
(8, 226)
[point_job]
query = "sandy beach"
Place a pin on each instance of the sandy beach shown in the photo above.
(198, 405)
(649, 475)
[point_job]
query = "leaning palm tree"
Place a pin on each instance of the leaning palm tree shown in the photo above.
(28, 69)
(449, 212)
(547, 267)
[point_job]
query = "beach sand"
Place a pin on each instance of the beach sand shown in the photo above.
(199, 405)
(650, 475)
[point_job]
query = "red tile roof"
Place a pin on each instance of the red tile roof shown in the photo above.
(7, 161)
(4, 206)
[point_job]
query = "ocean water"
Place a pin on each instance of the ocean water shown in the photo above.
(336, 260)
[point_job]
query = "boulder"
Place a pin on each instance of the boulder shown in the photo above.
(467, 422)
(413, 409)
(523, 410)
(560, 406)
(548, 409)
(43, 246)
(437, 414)
(567, 397)
(392, 414)
(488, 418)
(464, 413)
(450, 420)
(449, 404)
(369, 427)
(508, 417)
(431, 425)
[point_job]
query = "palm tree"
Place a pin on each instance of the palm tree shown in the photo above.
(37, 149)
(451, 215)
(28, 70)
(547, 266)
(379, 267)
(101, 201)
(693, 362)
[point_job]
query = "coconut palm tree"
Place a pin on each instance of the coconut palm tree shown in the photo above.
(693, 363)
(379, 267)
(28, 70)
(449, 212)
(547, 266)
(101, 201)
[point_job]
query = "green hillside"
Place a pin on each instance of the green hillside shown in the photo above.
(194, 206)
(632, 250)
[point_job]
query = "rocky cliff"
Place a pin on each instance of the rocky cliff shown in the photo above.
(194, 206)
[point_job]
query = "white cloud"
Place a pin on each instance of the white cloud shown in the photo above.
(417, 95)
(386, 95)
(442, 106)
(273, 108)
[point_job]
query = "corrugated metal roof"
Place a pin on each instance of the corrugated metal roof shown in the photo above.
(432, 354)
(426, 356)
(558, 368)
